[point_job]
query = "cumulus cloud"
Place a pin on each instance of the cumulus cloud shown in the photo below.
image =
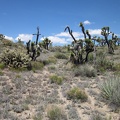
(63, 34)
(95, 31)
(24, 37)
(86, 22)
(9, 38)
(57, 40)
(66, 34)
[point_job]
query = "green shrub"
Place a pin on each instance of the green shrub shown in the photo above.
(50, 60)
(2, 65)
(1, 73)
(85, 70)
(61, 56)
(36, 65)
(103, 64)
(116, 69)
(51, 68)
(56, 79)
(77, 93)
(55, 113)
(90, 57)
(110, 89)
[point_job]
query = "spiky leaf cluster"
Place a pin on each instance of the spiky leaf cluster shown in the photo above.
(15, 59)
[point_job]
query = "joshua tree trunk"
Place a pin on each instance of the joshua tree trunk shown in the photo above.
(70, 32)
(37, 35)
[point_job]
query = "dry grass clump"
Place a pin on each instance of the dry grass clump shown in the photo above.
(61, 55)
(35, 65)
(55, 112)
(49, 60)
(85, 70)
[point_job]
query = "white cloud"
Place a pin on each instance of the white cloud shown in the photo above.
(86, 22)
(95, 31)
(58, 40)
(24, 37)
(63, 34)
(66, 34)
(9, 38)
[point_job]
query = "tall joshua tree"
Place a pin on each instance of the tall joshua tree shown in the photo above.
(89, 46)
(105, 32)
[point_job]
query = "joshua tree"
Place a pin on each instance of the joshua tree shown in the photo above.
(37, 35)
(33, 50)
(47, 42)
(114, 38)
(1, 36)
(89, 46)
(105, 32)
(70, 32)
(28, 46)
(87, 32)
(83, 30)
(77, 47)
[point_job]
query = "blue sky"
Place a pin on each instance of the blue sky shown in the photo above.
(20, 18)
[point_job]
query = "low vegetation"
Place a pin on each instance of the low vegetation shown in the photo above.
(55, 112)
(56, 79)
(77, 93)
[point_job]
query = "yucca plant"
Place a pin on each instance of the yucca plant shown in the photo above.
(110, 89)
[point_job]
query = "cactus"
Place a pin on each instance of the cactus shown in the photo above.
(15, 59)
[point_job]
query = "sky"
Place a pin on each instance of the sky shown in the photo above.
(20, 18)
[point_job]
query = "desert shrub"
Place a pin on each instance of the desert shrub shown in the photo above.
(36, 65)
(90, 57)
(116, 68)
(56, 49)
(96, 116)
(56, 79)
(85, 70)
(55, 112)
(49, 60)
(51, 68)
(61, 56)
(1, 73)
(37, 117)
(103, 64)
(77, 93)
(2, 65)
(110, 89)
(15, 59)
(7, 42)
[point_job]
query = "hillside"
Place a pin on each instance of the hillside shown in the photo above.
(51, 91)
